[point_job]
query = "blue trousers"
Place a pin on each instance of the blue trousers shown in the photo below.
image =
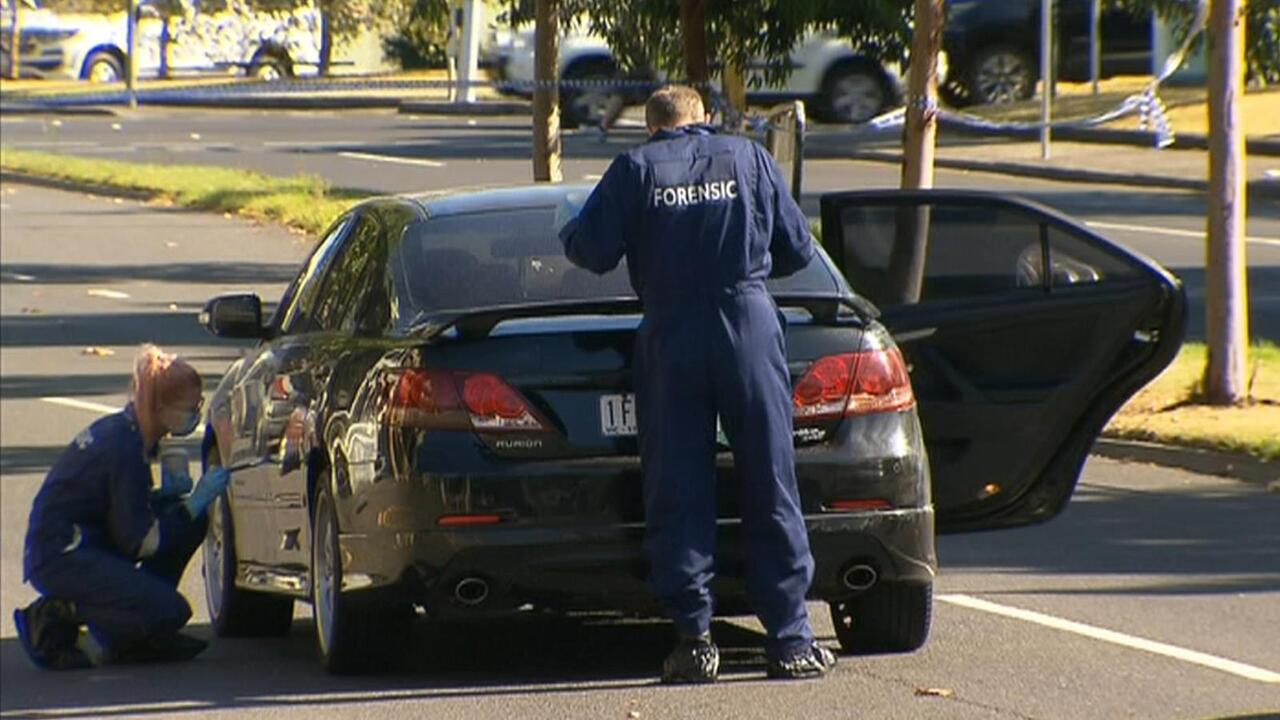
(724, 357)
(123, 602)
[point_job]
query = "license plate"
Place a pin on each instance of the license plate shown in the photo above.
(618, 418)
(618, 415)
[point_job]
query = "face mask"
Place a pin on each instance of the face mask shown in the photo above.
(188, 426)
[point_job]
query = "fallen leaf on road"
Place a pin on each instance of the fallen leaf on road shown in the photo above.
(935, 692)
(226, 215)
(117, 127)
(633, 714)
(173, 306)
(112, 294)
(56, 123)
(195, 136)
(98, 351)
(31, 311)
(118, 201)
(171, 244)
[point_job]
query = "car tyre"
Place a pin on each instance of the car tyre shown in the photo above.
(852, 93)
(102, 66)
(353, 634)
(889, 617)
(270, 68)
(1000, 74)
(234, 612)
(588, 106)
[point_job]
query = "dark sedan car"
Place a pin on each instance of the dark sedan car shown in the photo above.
(994, 46)
(440, 414)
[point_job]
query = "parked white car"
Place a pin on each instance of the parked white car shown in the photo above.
(836, 82)
(208, 37)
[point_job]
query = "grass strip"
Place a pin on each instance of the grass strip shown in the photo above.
(1168, 411)
(304, 202)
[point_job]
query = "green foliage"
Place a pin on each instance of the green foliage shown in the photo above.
(422, 38)
(646, 34)
(1262, 31)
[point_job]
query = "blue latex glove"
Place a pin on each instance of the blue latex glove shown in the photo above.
(210, 486)
(174, 484)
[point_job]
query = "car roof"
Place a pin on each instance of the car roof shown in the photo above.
(487, 199)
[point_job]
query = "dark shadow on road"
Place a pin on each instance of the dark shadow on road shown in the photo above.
(25, 459)
(168, 328)
(458, 661)
(196, 272)
(1224, 540)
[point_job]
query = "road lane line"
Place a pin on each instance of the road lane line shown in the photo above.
(313, 143)
(1175, 232)
(81, 405)
(1249, 672)
(390, 159)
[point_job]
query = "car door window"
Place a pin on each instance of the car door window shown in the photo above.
(897, 253)
(298, 305)
(1075, 261)
(347, 283)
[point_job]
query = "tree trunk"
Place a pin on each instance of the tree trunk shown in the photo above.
(734, 87)
(15, 42)
(131, 64)
(693, 38)
(1226, 293)
(911, 242)
(546, 92)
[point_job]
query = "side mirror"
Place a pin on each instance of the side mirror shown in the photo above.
(234, 316)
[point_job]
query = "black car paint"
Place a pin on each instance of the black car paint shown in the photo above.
(573, 503)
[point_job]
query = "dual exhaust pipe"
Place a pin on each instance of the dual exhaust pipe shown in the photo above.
(859, 576)
(473, 591)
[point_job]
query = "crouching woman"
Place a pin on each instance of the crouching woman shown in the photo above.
(103, 549)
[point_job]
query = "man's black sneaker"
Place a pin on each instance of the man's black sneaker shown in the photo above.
(695, 660)
(47, 632)
(814, 662)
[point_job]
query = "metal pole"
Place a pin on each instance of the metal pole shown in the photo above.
(1046, 74)
(469, 49)
(131, 64)
(1095, 42)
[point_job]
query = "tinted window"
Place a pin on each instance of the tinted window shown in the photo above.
(515, 256)
(1076, 261)
(347, 283)
(967, 251)
(298, 305)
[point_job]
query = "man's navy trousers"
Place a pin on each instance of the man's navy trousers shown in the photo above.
(703, 220)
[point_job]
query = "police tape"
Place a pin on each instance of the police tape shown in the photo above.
(1152, 113)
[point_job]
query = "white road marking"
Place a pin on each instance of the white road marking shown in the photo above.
(80, 405)
(591, 176)
(1249, 672)
(20, 277)
(1174, 232)
(110, 294)
(390, 159)
(312, 143)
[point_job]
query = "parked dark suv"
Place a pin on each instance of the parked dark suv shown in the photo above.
(994, 46)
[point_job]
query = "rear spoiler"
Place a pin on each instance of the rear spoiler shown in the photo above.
(474, 324)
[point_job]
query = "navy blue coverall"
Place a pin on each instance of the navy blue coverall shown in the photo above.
(86, 531)
(703, 219)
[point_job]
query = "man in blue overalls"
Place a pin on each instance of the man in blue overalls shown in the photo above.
(703, 219)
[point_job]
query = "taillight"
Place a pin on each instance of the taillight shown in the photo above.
(858, 383)
(430, 399)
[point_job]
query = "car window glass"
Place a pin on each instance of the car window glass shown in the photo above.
(299, 301)
(1076, 261)
(346, 282)
(515, 256)
(898, 253)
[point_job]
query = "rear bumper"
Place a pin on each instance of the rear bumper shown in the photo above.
(588, 567)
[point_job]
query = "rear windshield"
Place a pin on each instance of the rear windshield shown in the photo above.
(514, 256)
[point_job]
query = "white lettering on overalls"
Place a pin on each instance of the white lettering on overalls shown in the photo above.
(682, 195)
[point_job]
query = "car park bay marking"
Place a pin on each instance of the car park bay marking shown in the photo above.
(1249, 672)
(81, 405)
(391, 159)
(1195, 234)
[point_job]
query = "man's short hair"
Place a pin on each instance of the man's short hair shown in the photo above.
(672, 106)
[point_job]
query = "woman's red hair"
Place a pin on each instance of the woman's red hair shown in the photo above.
(160, 378)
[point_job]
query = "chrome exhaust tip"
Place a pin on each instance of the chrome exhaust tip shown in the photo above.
(859, 577)
(471, 591)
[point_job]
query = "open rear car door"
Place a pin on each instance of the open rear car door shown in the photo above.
(1024, 330)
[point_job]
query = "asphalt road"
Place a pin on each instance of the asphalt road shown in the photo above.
(389, 153)
(1155, 595)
